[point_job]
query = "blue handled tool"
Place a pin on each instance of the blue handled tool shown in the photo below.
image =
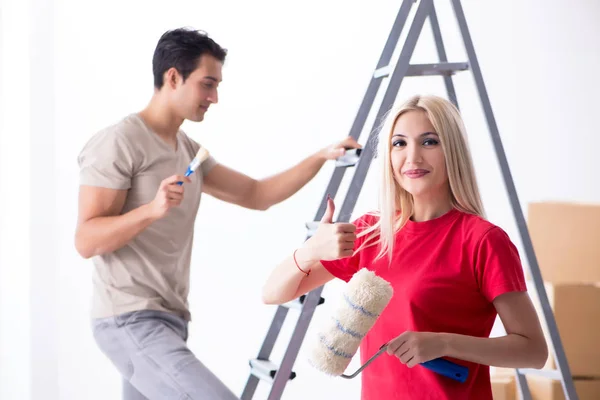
(201, 156)
(448, 369)
(439, 365)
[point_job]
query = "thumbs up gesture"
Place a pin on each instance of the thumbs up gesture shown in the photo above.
(332, 241)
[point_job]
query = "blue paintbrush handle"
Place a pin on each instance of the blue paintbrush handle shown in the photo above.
(448, 369)
(187, 173)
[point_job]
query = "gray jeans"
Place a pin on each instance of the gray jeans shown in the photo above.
(149, 349)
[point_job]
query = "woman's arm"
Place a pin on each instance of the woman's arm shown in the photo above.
(523, 346)
(330, 242)
(287, 282)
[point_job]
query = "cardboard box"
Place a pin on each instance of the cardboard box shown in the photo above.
(577, 314)
(547, 389)
(566, 241)
(504, 388)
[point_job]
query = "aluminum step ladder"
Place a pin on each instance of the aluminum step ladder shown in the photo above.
(277, 375)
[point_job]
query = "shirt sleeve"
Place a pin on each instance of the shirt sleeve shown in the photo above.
(107, 160)
(498, 265)
(345, 268)
(208, 164)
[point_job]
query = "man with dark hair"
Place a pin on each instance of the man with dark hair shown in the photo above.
(180, 48)
(136, 220)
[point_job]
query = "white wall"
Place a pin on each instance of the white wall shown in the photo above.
(15, 167)
(296, 73)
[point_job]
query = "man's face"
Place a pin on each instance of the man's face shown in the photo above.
(192, 98)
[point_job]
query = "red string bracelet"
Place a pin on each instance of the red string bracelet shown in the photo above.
(301, 270)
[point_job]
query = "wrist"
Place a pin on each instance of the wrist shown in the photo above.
(304, 256)
(307, 254)
(149, 212)
(446, 340)
(306, 270)
(322, 155)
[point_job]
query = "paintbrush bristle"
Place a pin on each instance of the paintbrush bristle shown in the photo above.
(202, 155)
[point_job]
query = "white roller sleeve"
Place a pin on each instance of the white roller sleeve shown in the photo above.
(363, 300)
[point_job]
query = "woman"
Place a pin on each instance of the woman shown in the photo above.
(452, 271)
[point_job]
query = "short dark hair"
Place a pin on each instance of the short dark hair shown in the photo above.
(182, 48)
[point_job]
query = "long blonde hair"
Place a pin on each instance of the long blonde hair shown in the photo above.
(464, 191)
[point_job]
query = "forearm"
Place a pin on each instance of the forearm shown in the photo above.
(277, 188)
(284, 282)
(510, 351)
(102, 235)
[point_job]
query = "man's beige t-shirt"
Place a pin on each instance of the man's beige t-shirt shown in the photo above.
(152, 271)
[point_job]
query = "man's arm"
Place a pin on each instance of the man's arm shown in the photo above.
(101, 228)
(238, 188)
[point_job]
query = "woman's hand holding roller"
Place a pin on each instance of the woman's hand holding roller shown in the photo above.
(414, 348)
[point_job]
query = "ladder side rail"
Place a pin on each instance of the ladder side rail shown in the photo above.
(369, 98)
(293, 348)
(548, 315)
(439, 44)
(388, 101)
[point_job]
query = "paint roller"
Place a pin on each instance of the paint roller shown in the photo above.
(365, 297)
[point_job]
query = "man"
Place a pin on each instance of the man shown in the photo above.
(137, 222)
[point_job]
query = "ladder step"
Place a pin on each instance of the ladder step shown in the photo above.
(299, 302)
(546, 373)
(382, 72)
(443, 68)
(265, 370)
(349, 159)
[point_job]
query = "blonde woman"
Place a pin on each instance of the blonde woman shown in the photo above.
(452, 270)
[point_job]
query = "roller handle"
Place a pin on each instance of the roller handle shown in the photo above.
(447, 369)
